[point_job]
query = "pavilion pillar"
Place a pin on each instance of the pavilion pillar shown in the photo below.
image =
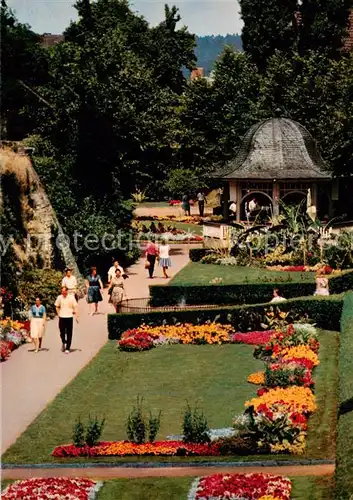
(226, 198)
(238, 198)
(275, 198)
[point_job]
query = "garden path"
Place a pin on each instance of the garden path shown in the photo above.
(31, 381)
(131, 472)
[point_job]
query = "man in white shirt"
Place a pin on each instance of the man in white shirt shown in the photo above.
(201, 200)
(112, 271)
(70, 282)
(66, 309)
(252, 205)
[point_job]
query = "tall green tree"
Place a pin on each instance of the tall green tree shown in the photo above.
(22, 68)
(323, 26)
(268, 26)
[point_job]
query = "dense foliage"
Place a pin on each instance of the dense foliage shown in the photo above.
(209, 48)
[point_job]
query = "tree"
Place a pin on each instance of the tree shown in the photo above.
(323, 26)
(268, 26)
(184, 181)
(23, 67)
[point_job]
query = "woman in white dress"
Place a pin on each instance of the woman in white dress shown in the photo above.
(117, 290)
(164, 259)
(37, 316)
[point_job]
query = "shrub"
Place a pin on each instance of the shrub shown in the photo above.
(196, 254)
(195, 426)
(43, 282)
(325, 312)
(78, 433)
(137, 426)
(252, 293)
(154, 424)
(344, 463)
(94, 430)
(239, 445)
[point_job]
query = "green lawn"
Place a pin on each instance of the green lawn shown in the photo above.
(304, 488)
(213, 376)
(196, 273)
(167, 377)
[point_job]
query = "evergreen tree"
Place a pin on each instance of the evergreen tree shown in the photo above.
(268, 26)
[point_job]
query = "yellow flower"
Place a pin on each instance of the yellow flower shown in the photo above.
(257, 378)
(301, 351)
(299, 399)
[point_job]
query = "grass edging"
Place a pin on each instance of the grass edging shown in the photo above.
(344, 458)
(157, 465)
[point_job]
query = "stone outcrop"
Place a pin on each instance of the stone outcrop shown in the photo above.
(38, 230)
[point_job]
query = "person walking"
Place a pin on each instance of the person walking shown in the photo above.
(164, 259)
(94, 286)
(112, 271)
(201, 201)
(151, 256)
(37, 316)
(70, 281)
(66, 309)
(117, 290)
(186, 204)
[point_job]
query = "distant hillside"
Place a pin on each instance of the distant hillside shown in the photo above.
(209, 48)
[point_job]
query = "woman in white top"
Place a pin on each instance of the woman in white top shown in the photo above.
(70, 282)
(112, 271)
(322, 287)
(164, 259)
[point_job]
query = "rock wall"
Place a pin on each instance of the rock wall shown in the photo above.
(37, 222)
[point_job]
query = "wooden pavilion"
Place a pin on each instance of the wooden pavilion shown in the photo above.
(278, 160)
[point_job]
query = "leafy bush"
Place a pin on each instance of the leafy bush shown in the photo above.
(90, 434)
(252, 293)
(196, 254)
(78, 433)
(325, 312)
(344, 463)
(137, 426)
(94, 430)
(239, 445)
(43, 282)
(284, 376)
(195, 426)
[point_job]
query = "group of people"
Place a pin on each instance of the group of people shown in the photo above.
(201, 200)
(157, 253)
(66, 304)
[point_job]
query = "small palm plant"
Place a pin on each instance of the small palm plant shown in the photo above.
(139, 196)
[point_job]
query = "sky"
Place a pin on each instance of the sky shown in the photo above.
(205, 17)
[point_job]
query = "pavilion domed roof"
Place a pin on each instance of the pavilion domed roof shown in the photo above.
(277, 148)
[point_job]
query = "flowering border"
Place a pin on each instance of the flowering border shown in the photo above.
(53, 488)
(240, 486)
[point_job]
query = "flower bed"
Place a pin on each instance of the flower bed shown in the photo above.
(146, 337)
(177, 236)
(253, 338)
(12, 335)
(241, 486)
(279, 414)
(126, 448)
(53, 489)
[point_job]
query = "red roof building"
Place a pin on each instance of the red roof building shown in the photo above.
(48, 40)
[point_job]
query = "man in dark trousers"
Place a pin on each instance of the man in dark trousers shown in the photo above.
(66, 309)
(201, 200)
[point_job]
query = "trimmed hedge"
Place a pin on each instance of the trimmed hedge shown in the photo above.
(344, 455)
(324, 311)
(240, 293)
(196, 254)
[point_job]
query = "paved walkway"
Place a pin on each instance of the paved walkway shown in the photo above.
(31, 381)
(121, 472)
